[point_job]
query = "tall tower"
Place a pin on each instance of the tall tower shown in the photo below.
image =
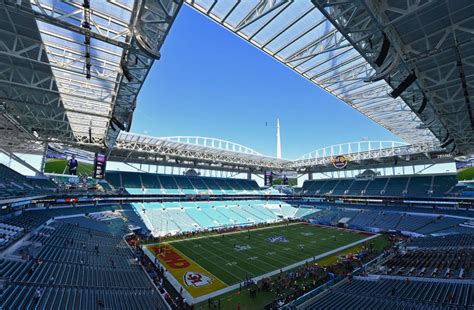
(278, 139)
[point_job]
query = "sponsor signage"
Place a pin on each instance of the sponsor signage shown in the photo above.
(340, 161)
(268, 178)
(99, 166)
(191, 276)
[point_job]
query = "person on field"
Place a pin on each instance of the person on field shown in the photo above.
(72, 164)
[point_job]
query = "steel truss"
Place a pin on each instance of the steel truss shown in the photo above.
(44, 57)
(28, 91)
(330, 43)
(431, 38)
(351, 148)
(154, 20)
(165, 151)
(45, 96)
(214, 154)
(213, 143)
(414, 154)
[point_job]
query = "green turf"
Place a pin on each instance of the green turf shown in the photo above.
(291, 182)
(217, 254)
(466, 174)
(230, 300)
(59, 166)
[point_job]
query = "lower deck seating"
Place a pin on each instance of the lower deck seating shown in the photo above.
(175, 217)
(444, 242)
(200, 217)
(15, 227)
(9, 233)
(410, 222)
(367, 218)
(363, 293)
(445, 264)
(77, 268)
(216, 214)
(23, 297)
(32, 219)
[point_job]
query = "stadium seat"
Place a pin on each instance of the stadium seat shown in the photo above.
(72, 275)
(175, 217)
(148, 183)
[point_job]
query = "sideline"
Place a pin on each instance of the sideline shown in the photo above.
(195, 300)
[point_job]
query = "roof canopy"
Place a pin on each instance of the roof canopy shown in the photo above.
(71, 73)
(405, 64)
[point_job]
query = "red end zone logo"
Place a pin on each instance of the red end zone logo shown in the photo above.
(170, 257)
(196, 279)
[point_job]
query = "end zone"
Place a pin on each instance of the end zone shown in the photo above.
(185, 273)
(198, 284)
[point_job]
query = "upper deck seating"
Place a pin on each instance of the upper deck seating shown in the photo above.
(150, 183)
(396, 186)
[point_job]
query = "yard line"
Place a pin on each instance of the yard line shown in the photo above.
(227, 254)
(213, 263)
(249, 253)
(270, 247)
(240, 259)
(233, 232)
(327, 245)
(232, 257)
(253, 252)
(264, 245)
(217, 251)
(243, 239)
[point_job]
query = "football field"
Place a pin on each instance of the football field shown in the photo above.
(208, 264)
(59, 166)
(466, 174)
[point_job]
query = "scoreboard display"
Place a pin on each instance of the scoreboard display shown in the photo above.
(289, 178)
(465, 168)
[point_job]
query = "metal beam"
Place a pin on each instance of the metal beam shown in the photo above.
(151, 25)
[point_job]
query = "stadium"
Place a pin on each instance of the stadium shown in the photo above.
(106, 204)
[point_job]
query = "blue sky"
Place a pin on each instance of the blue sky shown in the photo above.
(211, 83)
